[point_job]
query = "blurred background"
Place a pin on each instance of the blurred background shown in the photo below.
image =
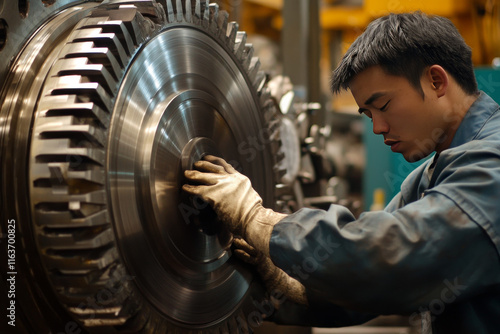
(304, 40)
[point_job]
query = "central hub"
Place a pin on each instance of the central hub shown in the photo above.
(204, 219)
(196, 149)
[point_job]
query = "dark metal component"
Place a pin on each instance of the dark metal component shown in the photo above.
(103, 109)
(301, 48)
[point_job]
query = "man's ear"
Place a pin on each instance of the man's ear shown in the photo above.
(438, 79)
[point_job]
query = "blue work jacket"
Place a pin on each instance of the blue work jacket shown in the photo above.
(434, 250)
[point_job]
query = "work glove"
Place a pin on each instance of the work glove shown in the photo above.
(237, 204)
(276, 281)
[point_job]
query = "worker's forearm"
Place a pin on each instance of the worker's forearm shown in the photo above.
(353, 263)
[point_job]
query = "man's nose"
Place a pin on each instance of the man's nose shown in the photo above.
(380, 126)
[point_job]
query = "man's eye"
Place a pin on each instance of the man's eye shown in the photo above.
(384, 107)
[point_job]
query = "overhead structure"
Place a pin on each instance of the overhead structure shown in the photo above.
(104, 104)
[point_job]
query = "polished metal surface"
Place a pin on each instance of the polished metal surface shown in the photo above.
(67, 176)
(172, 106)
(21, 19)
(103, 110)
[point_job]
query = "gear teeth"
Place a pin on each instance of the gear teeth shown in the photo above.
(72, 85)
(91, 281)
(150, 9)
(223, 329)
(253, 69)
(188, 11)
(276, 145)
(206, 15)
(260, 81)
(274, 128)
(74, 234)
(73, 226)
(170, 12)
(161, 17)
(135, 24)
(64, 150)
(239, 45)
(103, 40)
(180, 13)
(243, 327)
(213, 10)
(197, 13)
(79, 204)
(108, 26)
(88, 260)
(64, 219)
(72, 105)
(268, 106)
(76, 239)
(222, 25)
(232, 30)
(281, 155)
(95, 55)
(232, 325)
(247, 56)
(63, 126)
(82, 67)
(89, 311)
(279, 173)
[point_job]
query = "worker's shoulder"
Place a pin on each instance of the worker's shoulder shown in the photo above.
(477, 153)
(486, 146)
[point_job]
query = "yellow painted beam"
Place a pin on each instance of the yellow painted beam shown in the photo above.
(344, 17)
(340, 17)
(377, 8)
(275, 4)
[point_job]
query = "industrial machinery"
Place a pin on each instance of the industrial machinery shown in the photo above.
(104, 104)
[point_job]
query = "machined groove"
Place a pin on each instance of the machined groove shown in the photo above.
(77, 240)
(64, 219)
(102, 40)
(102, 56)
(89, 281)
(94, 259)
(73, 105)
(66, 126)
(76, 85)
(82, 67)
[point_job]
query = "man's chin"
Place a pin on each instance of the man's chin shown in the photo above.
(415, 156)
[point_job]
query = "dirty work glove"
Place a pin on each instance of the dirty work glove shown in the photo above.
(237, 204)
(275, 279)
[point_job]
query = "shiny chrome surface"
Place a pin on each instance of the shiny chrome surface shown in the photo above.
(32, 45)
(21, 19)
(183, 97)
(74, 233)
(103, 108)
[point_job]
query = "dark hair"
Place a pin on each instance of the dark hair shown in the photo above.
(405, 45)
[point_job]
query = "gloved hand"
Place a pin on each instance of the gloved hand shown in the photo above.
(237, 204)
(275, 279)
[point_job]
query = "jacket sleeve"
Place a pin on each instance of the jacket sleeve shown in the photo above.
(318, 314)
(396, 262)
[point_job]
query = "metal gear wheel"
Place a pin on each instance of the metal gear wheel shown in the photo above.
(103, 108)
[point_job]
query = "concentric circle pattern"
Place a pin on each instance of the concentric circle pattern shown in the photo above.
(129, 95)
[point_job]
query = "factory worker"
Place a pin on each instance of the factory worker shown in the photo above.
(433, 253)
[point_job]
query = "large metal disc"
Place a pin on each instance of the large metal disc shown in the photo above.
(128, 96)
(184, 96)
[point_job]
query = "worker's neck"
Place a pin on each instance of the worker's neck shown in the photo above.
(457, 105)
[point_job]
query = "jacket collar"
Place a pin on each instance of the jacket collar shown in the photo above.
(475, 118)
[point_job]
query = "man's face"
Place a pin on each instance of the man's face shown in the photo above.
(410, 124)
